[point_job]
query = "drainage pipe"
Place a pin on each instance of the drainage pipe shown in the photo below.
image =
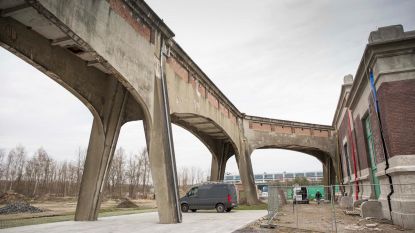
(353, 154)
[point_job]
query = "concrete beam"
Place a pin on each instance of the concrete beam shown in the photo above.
(102, 143)
(62, 41)
(13, 10)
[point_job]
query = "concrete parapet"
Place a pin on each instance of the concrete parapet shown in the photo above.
(348, 79)
(392, 32)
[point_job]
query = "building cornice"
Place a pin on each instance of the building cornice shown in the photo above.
(341, 103)
(371, 53)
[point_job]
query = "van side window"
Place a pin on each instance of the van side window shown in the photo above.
(192, 192)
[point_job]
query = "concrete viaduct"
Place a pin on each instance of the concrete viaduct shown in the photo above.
(120, 60)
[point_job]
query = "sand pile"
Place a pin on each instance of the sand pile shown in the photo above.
(127, 203)
(11, 197)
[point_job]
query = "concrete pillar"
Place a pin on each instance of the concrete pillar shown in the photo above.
(247, 177)
(102, 143)
(219, 159)
(217, 169)
(161, 156)
(329, 177)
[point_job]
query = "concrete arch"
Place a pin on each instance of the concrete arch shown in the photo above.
(204, 128)
(215, 138)
(315, 146)
(107, 99)
(328, 162)
(315, 152)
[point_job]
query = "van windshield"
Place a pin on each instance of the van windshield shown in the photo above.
(193, 192)
(265, 189)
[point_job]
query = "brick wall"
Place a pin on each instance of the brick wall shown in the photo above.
(212, 100)
(282, 129)
(179, 70)
(124, 11)
(302, 131)
(343, 132)
(320, 133)
(380, 157)
(260, 126)
(397, 105)
(357, 160)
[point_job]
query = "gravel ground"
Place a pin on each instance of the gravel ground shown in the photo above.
(319, 218)
(19, 207)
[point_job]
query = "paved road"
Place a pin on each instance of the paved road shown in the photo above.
(147, 222)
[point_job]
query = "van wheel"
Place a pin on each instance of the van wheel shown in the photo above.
(228, 209)
(193, 210)
(220, 208)
(185, 207)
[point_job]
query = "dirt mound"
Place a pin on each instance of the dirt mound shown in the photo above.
(127, 203)
(19, 207)
(11, 197)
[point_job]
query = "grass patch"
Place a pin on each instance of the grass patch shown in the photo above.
(262, 206)
(68, 217)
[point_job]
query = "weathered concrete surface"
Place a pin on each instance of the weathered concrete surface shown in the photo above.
(346, 202)
(102, 144)
(371, 208)
(147, 222)
(263, 133)
(119, 59)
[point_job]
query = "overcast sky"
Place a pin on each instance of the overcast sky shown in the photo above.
(278, 59)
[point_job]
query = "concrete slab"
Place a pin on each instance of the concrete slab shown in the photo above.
(206, 221)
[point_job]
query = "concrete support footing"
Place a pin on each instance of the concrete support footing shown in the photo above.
(371, 208)
(346, 202)
(247, 177)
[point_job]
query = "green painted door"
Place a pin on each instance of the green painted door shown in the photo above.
(372, 156)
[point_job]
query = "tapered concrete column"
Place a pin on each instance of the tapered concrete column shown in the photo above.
(219, 158)
(217, 169)
(161, 155)
(102, 143)
(247, 177)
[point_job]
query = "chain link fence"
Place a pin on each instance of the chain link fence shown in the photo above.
(341, 208)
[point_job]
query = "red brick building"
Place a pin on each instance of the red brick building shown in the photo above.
(376, 144)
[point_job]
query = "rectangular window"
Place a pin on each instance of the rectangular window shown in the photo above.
(346, 157)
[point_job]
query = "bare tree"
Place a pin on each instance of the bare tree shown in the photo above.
(2, 165)
(42, 175)
(80, 166)
(133, 173)
(183, 177)
(146, 170)
(120, 169)
(15, 162)
(43, 166)
(20, 163)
